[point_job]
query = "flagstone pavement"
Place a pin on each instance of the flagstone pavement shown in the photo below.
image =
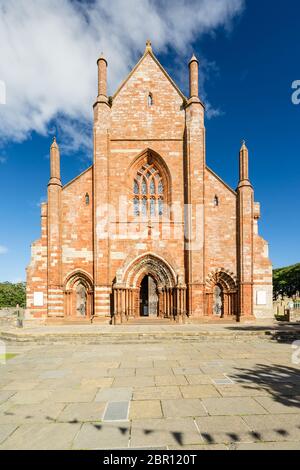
(210, 394)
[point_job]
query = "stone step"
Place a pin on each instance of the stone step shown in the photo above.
(146, 333)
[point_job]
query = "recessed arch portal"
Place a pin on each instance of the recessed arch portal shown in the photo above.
(148, 279)
(150, 264)
(78, 295)
(221, 294)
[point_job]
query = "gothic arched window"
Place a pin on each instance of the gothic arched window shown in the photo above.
(148, 192)
(150, 100)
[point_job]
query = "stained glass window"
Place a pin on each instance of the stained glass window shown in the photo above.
(148, 190)
(136, 206)
(152, 186)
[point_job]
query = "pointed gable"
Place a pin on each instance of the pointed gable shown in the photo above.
(148, 104)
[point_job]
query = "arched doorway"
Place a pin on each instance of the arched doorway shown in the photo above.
(218, 306)
(148, 297)
(79, 295)
(221, 295)
(148, 286)
(81, 299)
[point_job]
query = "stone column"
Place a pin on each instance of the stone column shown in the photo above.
(245, 220)
(160, 295)
(55, 292)
(103, 277)
(119, 303)
(194, 175)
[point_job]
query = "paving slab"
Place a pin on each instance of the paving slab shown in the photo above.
(30, 396)
(187, 371)
(223, 429)
(95, 367)
(82, 412)
(280, 405)
(199, 391)
(122, 372)
(6, 394)
(162, 380)
(274, 428)
(137, 381)
(73, 395)
(31, 413)
(52, 436)
(198, 379)
(232, 406)
(158, 432)
(102, 436)
(183, 408)
(145, 409)
(102, 382)
(6, 430)
(18, 386)
(114, 394)
(155, 371)
(54, 374)
(158, 393)
(238, 390)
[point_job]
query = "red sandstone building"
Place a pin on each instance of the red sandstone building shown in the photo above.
(149, 230)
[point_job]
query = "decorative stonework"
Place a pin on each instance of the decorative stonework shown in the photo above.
(204, 252)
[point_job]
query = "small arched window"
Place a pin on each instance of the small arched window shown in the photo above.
(148, 192)
(216, 201)
(150, 100)
(87, 199)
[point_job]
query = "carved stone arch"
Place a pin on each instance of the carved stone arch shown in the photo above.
(77, 275)
(149, 264)
(129, 295)
(221, 294)
(78, 285)
(224, 278)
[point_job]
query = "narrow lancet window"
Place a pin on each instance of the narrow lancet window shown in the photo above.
(150, 100)
(148, 192)
(87, 199)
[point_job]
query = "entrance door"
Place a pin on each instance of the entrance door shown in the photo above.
(148, 297)
(81, 299)
(218, 308)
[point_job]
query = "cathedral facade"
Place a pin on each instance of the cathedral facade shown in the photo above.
(149, 231)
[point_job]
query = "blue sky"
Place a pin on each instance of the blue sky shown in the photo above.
(248, 64)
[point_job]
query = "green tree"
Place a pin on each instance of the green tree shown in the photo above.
(286, 281)
(12, 294)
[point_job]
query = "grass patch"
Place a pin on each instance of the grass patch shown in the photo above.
(7, 356)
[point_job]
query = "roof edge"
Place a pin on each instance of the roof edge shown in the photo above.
(221, 180)
(150, 52)
(77, 177)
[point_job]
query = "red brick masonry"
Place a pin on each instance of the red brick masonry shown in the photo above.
(149, 206)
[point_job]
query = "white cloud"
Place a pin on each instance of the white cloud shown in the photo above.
(3, 250)
(49, 50)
